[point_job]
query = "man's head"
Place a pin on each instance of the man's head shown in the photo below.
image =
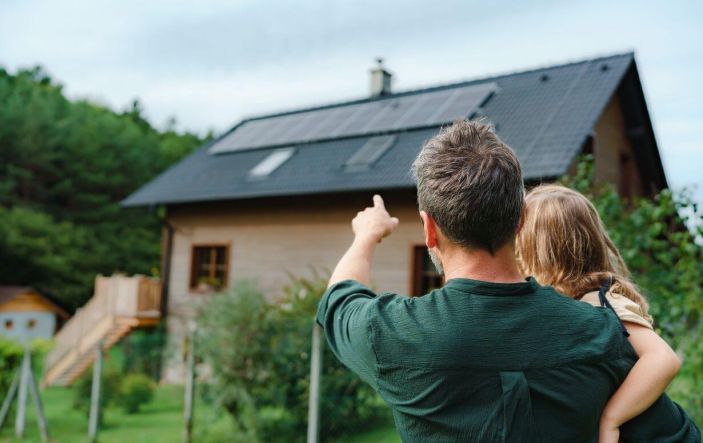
(469, 184)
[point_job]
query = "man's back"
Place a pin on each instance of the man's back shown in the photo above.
(478, 361)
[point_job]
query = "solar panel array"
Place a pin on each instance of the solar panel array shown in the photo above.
(430, 108)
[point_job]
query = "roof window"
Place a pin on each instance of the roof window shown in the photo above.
(272, 162)
(369, 153)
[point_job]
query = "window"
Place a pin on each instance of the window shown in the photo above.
(9, 324)
(209, 267)
(31, 323)
(425, 275)
(369, 153)
(271, 163)
(628, 176)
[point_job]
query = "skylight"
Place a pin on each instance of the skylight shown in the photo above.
(369, 153)
(271, 163)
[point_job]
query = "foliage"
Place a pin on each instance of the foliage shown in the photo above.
(260, 356)
(135, 391)
(143, 351)
(111, 380)
(10, 359)
(64, 168)
(658, 240)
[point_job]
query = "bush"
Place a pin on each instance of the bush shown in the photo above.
(260, 357)
(109, 390)
(10, 359)
(143, 351)
(135, 391)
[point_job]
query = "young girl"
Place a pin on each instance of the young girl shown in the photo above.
(563, 243)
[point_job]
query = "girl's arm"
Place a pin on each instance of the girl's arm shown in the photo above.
(657, 365)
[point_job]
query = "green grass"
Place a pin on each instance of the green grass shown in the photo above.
(159, 421)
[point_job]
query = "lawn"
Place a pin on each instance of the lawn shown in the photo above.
(159, 421)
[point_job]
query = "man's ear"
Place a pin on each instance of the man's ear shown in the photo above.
(430, 228)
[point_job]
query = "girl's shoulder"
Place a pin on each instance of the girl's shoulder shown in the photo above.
(626, 309)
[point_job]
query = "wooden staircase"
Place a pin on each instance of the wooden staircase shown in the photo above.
(120, 304)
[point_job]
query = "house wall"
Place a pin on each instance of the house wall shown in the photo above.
(25, 326)
(269, 239)
(614, 160)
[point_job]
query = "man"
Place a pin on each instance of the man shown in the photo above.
(491, 356)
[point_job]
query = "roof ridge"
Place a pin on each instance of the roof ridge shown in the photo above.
(423, 89)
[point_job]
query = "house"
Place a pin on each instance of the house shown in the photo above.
(25, 314)
(276, 193)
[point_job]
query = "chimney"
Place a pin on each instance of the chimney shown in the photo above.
(380, 80)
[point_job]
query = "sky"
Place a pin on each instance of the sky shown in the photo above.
(210, 63)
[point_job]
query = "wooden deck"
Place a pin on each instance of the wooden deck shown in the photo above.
(120, 304)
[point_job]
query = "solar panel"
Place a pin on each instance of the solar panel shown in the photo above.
(424, 109)
(369, 153)
(272, 162)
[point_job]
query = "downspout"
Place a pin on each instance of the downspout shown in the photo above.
(166, 269)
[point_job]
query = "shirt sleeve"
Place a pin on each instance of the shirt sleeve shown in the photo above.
(625, 308)
(344, 314)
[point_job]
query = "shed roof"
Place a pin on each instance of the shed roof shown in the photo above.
(544, 114)
(9, 293)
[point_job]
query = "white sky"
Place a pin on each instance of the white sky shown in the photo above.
(211, 62)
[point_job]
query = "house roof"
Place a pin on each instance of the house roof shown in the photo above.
(8, 293)
(545, 115)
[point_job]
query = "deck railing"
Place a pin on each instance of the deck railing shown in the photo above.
(114, 297)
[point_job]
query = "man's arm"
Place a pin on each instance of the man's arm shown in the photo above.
(347, 306)
(370, 226)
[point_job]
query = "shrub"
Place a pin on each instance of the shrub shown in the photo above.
(109, 390)
(260, 357)
(10, 359)
(135, 391)
(143, 351)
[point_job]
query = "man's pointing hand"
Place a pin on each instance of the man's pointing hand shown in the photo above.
(374, 223)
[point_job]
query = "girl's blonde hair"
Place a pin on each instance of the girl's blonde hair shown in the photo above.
(563, 243)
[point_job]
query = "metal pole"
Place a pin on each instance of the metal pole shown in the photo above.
(315, 371)
(190, 387)
(22, 400)
(38, 408)
(10, 396)
(95, 394)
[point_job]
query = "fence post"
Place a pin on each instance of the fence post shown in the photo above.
(315, 373)
(95, 394)
(8, 398)
(22, 397)
(190, 386)
(38, 408)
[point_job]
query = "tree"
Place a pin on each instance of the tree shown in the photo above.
(64, 168)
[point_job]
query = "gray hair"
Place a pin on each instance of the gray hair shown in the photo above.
(470, 182)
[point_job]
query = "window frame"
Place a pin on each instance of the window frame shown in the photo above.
(192, 280)
(417, 272)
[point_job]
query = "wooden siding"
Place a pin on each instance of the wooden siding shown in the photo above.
(610, 146)
(271, 238)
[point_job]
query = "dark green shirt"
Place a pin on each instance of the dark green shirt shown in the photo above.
(478, 361)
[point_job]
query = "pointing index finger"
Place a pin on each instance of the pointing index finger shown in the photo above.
(378, 202)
